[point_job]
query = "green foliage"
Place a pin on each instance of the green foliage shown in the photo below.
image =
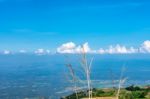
(73, 96)
(99, 92)
(139, 94)
(126, 95)
(133, 88)
(130, 92)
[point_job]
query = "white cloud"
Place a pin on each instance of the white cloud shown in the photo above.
(6, 52)
(87, 48)
(66, 48)
(101, 51)
(145, 47)
(42, 51)
(47, 51)
(22, 51)
(71, 47)
(118, 49)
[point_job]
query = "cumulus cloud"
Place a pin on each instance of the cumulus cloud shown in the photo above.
(118, 49)
(145, 47)
(22, 51)
(66, 48)
(6, 52)
(72, 48)
(101, 51)
(42, 51)
(47, 51)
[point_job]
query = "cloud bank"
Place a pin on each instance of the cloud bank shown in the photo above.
(22, 51)
(5, 52)
(118, 49)
(145, 47)
(72, 48)
(41, 51)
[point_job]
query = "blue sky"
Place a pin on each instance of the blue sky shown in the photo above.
(33, 24)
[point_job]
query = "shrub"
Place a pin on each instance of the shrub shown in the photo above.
(139, 94)
(126, 95)
(133, 88)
